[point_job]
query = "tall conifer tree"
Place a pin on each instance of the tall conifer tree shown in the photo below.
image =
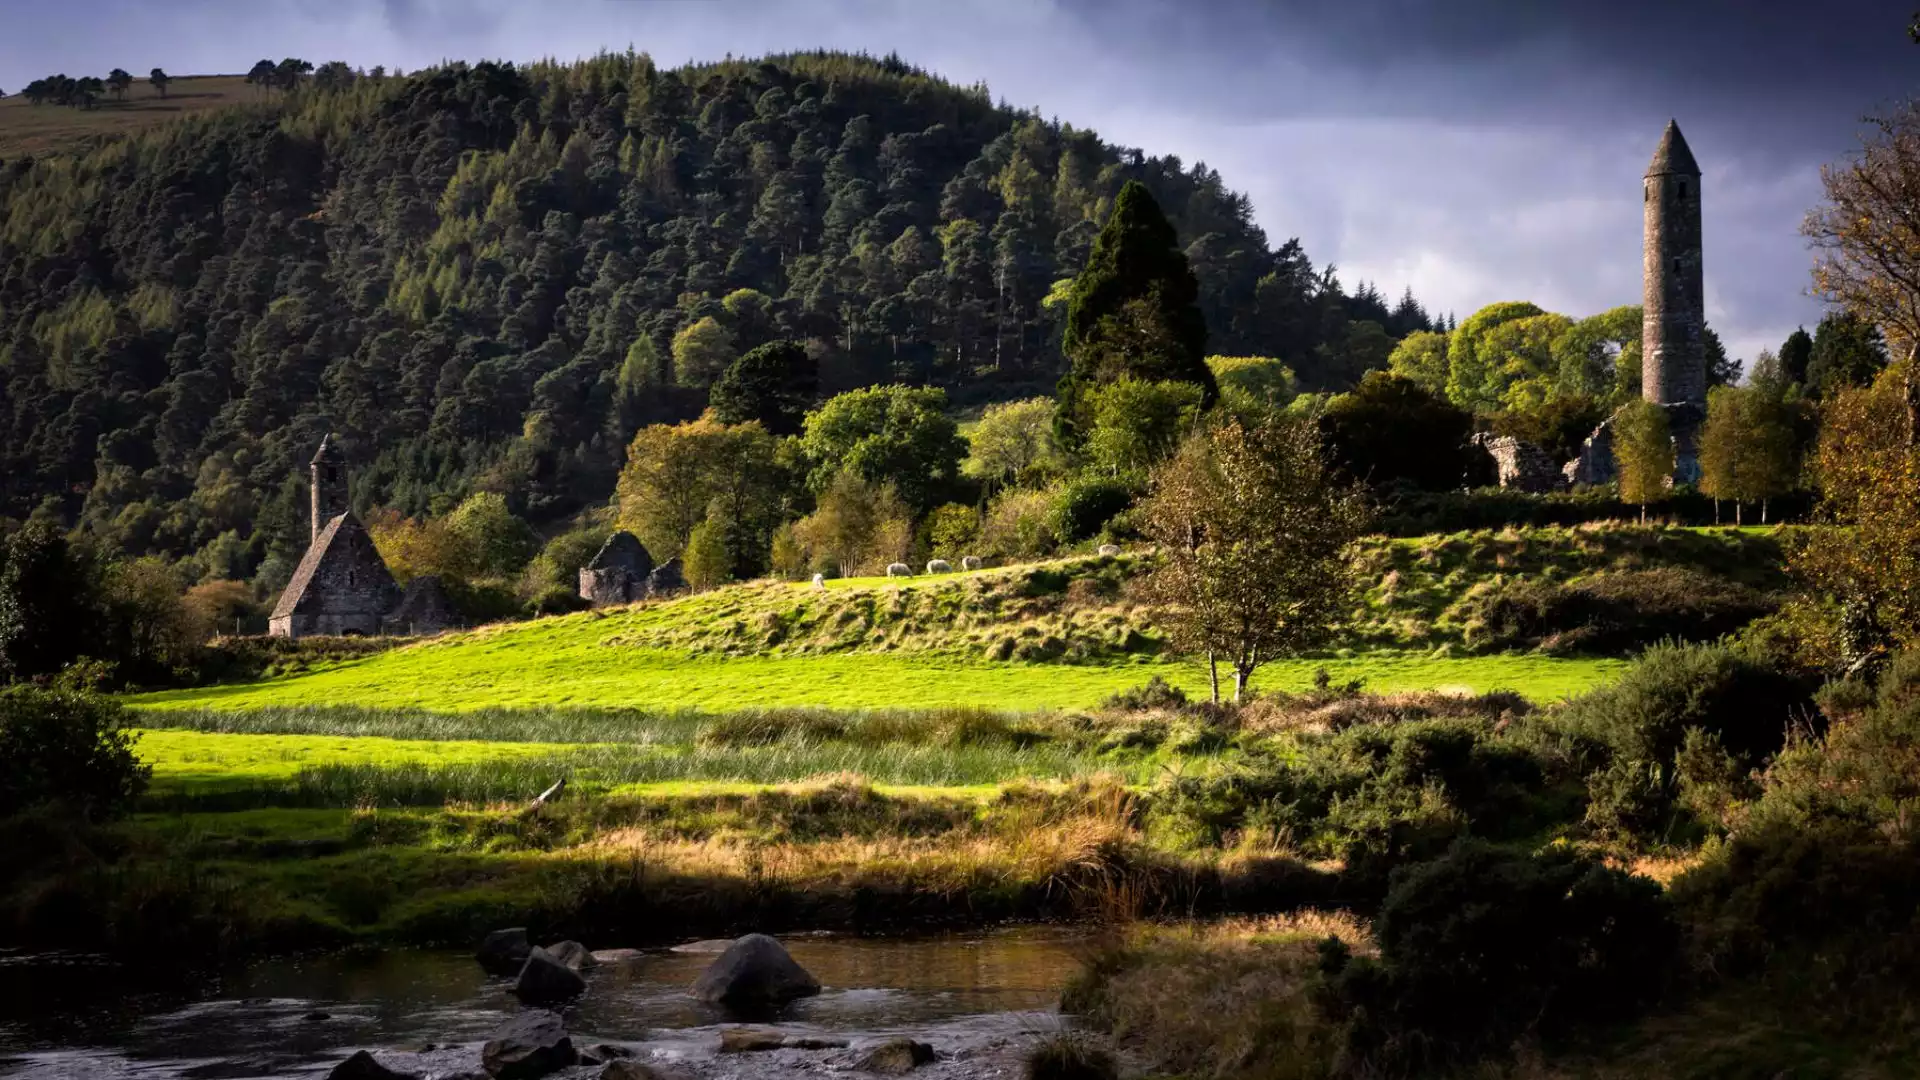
(1134, 311)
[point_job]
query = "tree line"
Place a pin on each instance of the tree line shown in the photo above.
(487, 278)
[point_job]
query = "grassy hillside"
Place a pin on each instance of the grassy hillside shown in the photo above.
(40, 130)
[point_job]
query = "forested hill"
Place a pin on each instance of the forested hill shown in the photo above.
(487, 277)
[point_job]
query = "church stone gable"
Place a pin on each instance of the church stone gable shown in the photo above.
(341, 587)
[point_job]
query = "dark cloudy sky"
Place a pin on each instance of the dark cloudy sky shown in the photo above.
(1478, 150)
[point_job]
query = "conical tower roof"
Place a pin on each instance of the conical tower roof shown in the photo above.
(327, 452)
(1673, 155)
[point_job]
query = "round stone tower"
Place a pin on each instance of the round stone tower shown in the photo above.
(1673, 335)
(329, 485)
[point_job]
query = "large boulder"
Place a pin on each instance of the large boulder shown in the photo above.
(364, 1066)
(747, 1040)
(504, 952)
(573, 954)
(896, 1057)
(528, 1046)
(546, 981)
(755, 972)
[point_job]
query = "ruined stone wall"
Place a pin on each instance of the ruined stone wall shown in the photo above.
(1519, 465)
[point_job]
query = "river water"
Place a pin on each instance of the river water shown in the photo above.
(978, 998)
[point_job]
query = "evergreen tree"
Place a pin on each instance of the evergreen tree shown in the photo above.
(775, 384)
(1848, 351)
(1133, 312)
(1795, 354)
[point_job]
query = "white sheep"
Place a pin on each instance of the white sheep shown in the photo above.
(899, 569)
(1109, 549)
(820, 582)
(939, 566)
(970, 562)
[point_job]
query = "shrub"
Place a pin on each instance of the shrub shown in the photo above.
(1632, 732)
(1083, 506)
(952, 531)
(1611, 612)
(1019, 525)
(59, 746)
(556, 600)
(1070, 1056)
(1483, 945)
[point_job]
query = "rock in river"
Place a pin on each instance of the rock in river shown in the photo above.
(754, 972)
(504, 952)
(573, 954)
(746, 1040)
(636, 1070)
(530, 1045)
(364, 1066)
(546, 981)
(896, 1057)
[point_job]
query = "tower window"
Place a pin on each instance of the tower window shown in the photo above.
(1683, 189)
(1676, 266)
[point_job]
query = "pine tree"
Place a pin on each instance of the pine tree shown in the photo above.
(775, 384)
(1134, 311)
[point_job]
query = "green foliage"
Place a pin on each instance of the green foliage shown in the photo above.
(1390, 430)
(1472, 381)
(1253, 385)
(1421, 358)
(66, 748)
(1012, 442)
(773, 384)
(1846, 351)
(953, 531)
(1749, 449)
(51, 607)
(890, 435)
(1599, 357)
(1643, 452)
(1134, 312)
(1020, 524)
(1610, 613)
(1483, 945)
(1559, 425)
(493, 541)
(706, 561)
(1083, 506)
(1137, 424)
(702, 352)
(1635, 733)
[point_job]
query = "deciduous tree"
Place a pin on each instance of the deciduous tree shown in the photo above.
(774, 384)
(1254, 533)
(1643, 453)
(888, 435)
(1867, 232)
(1012, 440)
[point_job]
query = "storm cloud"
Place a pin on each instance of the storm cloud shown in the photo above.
(1474, 150)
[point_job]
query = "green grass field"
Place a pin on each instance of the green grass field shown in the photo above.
(550, 663)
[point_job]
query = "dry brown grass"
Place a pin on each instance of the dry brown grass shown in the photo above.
(40, 130)
(1222, 999)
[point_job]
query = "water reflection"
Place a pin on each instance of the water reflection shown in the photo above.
(81, 1016)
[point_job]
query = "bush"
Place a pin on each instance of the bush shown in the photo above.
(1632, 733)
(556, 600)
(1019, 525)
(69, 748)
(1483, 945)
(1611, 612)
(1083, 506)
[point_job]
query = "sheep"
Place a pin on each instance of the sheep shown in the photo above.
(939, 566)
(899, 569)
(971, 562)
(1109, 549)
(820, 582)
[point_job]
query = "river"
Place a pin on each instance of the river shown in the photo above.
(977, 998)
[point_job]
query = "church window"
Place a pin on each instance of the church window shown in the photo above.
(1676, 266)
(349, 579)
(1683, 189)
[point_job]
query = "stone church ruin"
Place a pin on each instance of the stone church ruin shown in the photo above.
(343, 586)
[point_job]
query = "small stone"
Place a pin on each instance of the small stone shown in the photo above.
(364, 1066)
(573, 954)
(896, 1057)
(504, 952)
(546, 981)
(744, 1040)
(1109, 549)
(754, 972)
